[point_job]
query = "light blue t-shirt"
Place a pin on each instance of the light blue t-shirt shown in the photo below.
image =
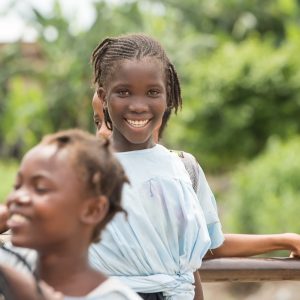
(168, 229)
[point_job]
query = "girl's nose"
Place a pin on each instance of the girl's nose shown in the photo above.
(138, 105)
(18, 198)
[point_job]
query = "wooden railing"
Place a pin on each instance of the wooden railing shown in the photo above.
(250, 269)
(245, 269)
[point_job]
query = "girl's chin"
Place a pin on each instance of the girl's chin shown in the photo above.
(141, 140)
(141, 146)
(20, 241)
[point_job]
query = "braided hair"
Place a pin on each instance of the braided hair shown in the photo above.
(111, 51)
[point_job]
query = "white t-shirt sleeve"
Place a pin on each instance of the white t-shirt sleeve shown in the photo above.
(208, 204)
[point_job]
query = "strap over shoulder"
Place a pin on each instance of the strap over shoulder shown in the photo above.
(191, 165)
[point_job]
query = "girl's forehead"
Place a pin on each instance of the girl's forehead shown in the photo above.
(45, 156)
(49, 162)
(45, 151)
(134, 68)
(141, 62)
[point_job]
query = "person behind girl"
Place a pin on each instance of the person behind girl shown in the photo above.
(98, 117)
(67, 189)
(160, 245)
(234, 245)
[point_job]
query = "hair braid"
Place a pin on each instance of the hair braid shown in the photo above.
(175, 89)
(97, 56)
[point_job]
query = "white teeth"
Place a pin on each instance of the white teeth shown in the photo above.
(17, 218)
(24, 199)
(139, 123)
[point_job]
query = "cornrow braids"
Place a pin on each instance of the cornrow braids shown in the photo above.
(108, 54)
(100, 171)
(175, 89)
(165, 119)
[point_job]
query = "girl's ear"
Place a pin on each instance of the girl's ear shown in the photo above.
(95, 210)
(102, 96)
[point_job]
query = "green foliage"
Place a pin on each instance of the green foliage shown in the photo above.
(237, 98)
(237, 61)
(7, 70)
(31, 115)
(264, 195)
(235, 19)
(7, 176)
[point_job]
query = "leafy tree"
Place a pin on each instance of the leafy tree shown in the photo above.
(9, 54)
(237, 19)
(236, 99)
(264, 193)
(8, 169)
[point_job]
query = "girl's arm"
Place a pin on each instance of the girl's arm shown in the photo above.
(240, 245)
(198, 287)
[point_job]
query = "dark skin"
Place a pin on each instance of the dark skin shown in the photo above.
(135, 106)
(37, 219)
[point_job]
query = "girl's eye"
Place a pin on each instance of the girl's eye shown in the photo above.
(153, 93)
(16, 186)
(97, 124)
(40, 186)
(41, 189)
(123, 93)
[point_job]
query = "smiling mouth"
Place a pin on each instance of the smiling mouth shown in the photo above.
(137, 123)
(16, 220)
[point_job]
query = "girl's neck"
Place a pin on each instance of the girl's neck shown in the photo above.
(120, 144)
(51, 266)
(70, 274)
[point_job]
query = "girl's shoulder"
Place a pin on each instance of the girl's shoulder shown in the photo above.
(191, 165)
(187, 158)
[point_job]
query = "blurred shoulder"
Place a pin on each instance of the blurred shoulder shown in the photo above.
(112, 288)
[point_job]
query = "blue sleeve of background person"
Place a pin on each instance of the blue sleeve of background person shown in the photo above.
(210, 210)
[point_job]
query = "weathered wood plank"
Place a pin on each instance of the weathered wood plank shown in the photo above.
(250, 269)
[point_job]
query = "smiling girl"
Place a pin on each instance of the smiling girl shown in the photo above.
(67, 189)
(157, 249)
